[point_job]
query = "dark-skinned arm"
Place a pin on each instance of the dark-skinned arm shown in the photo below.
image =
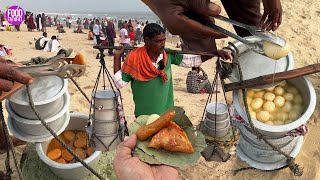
(117, 60)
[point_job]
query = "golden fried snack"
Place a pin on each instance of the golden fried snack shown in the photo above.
(90, 151)
(80, 143)
(54, 154)
(146, 131)
(171, 138)
(79, 59)
(62, 161)
(81, 153)
(81, 134)
(66, 155)
(69, 135)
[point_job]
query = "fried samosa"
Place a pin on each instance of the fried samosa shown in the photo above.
(171, 138)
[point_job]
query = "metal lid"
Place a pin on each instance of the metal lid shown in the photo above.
(44, 90)
(105, 94)
(254, 64)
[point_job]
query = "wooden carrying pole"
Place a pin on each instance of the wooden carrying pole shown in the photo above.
(170, 51)
(270, 78)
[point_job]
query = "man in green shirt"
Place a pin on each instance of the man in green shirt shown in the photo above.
(149, 70)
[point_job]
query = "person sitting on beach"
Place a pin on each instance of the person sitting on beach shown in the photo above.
(53, 45)
(61, 29)
(148, 68)
(197, 83)
(42, 41)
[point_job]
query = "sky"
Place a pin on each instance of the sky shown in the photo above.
(78, 5)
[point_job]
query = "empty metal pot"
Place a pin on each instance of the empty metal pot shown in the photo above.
(106, 127)
(111, 140)
(105, 99)
(216, 132)
(217, 111)
(217, 124)
(35, 127)
(105, 114)
(47, 94)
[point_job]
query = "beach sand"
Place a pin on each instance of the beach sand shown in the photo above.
(300, 27)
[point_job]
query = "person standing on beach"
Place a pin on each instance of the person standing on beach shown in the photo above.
(44, 22)
(111, 35)
(96, 31)
(148, 68)
(124, 39)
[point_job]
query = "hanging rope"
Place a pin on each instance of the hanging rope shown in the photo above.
(10, 146)
(31, 103)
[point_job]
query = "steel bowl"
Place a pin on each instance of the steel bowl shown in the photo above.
(309, 97)
(47, 93)
(111, 140)
(106, 127)
(105, 114)
(217, 124)
(217, 111)
(216, 132)
(74, 170)
(105, 99)
(35, 127)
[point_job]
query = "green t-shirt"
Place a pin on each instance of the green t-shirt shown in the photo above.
(154, 96)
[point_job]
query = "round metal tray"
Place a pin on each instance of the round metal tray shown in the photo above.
(254, 64)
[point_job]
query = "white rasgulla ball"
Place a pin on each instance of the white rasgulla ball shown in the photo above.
(292, 90)
(294, 115)
(287, 107)
(298, 108)
(269, 122)
(287, 122)
(288, 96)
(263, 116)
(249, 100)
(275, 51)
(256, 103)
(297, 99)
(278, 122)
(278, 91)
(253, 114)
(258, 94)
(250, 93)
(269, 106)
(152, 118)
(282, 116)
(269, 96)
(283, 83)
(279, 101)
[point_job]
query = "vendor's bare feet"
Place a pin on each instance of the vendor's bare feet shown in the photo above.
(15, 141)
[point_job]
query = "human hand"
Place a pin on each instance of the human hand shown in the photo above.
(128, 167)
(9, 73)
(189, 20)
(272, 15)
(118, 53)
(224, 54)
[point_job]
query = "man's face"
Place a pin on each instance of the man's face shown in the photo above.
(156, 44)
